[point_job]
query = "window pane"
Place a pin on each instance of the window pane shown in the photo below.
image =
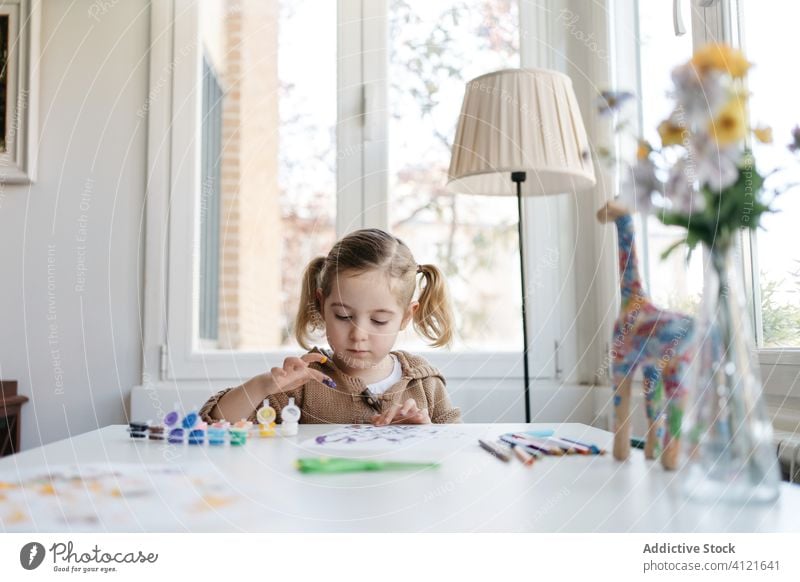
(670, 282)
(774, 90)
(436, 46)
(277, 181)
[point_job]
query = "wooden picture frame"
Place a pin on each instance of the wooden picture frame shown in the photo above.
(20, 22)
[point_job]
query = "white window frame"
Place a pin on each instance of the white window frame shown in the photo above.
(170, 352)
(780, 368)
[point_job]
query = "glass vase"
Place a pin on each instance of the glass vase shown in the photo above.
(730, 454)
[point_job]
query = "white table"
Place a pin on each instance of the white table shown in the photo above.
(471, 491)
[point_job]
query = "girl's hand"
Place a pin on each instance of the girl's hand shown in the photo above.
(407, 413)
(295, 372)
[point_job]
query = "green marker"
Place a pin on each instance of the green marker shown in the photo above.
(344, 465)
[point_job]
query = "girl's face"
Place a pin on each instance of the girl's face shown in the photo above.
(362, 319)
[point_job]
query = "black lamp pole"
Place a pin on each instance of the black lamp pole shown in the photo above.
(518, 178)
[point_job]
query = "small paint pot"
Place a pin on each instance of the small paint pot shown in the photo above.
(138, 430)
(238, 436)
(266, 430)
(171, 419)
(190, 420)
(157, 433)
(216, 435)
(197, 436)
(176, 435)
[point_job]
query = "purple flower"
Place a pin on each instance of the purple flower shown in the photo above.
(795, 145)
(681, 188)
(698, 98)
(612, 101)
(714, 166)
(639, 185)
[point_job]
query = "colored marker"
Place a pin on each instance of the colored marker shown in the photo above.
(541, 445)
(526, 458)
(538, 433)
(525, 444)
(571, 448)
(495, 450)
(345, 465)
(593, 448)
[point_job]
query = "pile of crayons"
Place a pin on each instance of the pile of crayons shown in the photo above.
(190, 429)
(542, 444)
(530, 446)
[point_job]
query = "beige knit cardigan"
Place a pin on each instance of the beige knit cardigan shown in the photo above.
(349, 404)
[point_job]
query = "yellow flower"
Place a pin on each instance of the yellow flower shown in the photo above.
(763, 134)
(729, 125)
(643, 150)
(670, 133)
(721, 57)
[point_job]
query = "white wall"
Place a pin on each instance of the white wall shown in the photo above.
(76, 351)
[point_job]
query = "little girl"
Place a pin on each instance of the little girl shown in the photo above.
(361, 294)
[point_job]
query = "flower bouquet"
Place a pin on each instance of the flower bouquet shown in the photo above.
(704, 179)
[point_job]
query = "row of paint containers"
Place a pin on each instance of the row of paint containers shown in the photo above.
(192, 430)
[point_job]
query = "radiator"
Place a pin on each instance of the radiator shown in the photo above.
(789, 455)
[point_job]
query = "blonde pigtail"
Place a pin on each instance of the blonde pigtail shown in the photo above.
(434, 317)
(309, 312)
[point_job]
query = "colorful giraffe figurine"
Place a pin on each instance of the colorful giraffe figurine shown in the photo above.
(659, 341)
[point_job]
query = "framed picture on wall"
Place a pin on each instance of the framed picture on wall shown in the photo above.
(19, 64)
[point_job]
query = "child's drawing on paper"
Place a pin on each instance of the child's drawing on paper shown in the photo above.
(358, 436)
(116, 497)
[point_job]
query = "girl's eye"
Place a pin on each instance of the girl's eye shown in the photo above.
(379, 322)
(345, 317)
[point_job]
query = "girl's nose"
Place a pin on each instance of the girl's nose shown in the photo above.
(357, 332)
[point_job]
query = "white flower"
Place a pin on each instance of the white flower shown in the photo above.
(681, 188)
(698, 97)
(714, 167)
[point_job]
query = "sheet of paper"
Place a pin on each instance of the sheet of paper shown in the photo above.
(114, 497)
(366, 437)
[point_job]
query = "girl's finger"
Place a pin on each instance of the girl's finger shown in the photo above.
(391, 414)
(294, 364)
(409, 408)
(278, 372)
(314, 357)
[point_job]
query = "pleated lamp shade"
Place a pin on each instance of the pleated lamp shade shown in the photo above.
(520, 120)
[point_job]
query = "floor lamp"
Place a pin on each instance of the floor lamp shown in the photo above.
(520, 133)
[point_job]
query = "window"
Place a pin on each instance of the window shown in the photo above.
(770, 260)
(669, 282)
(774, 102)
(435, 47)
(273, 209)
(315, 143)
